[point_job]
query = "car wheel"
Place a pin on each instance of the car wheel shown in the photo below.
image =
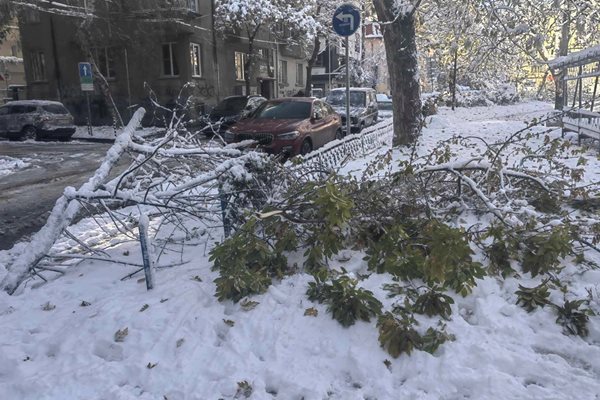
(29, 132)
(306, 147)
(339, 134)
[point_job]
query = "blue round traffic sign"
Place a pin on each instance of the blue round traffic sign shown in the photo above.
(346, 20)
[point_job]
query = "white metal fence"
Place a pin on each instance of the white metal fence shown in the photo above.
(334, 153)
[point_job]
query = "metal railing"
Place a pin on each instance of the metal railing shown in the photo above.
(333, 154)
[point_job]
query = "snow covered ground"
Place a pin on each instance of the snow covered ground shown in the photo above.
(9, 165)
(58, 341)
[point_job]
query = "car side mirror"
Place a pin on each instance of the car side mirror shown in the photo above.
(317, 115)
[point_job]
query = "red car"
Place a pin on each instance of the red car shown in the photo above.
(289, 126)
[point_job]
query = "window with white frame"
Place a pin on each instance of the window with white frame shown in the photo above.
(196, 60)
(192, 5)
(240, 59)
(169, 55)
(299, 74)
(283, 72)
(105, 61)
(38, 66)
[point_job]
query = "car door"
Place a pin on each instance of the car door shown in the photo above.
(15, 117)
(319, 127)
(4, 119)
(331, 120)
(371, 108)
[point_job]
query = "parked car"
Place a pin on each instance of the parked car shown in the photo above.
(384, 103)
(229, 111)
(363, 107)
(289, 126)
(36, 119)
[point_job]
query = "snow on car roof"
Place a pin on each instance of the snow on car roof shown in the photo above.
(33, 102)
(355, 89)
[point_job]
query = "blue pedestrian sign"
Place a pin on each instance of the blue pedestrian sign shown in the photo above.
(86, 77)
(346, 20)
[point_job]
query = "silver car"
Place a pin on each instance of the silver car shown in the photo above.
(36, 119)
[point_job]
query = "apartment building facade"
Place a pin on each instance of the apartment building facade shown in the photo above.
(166, 55)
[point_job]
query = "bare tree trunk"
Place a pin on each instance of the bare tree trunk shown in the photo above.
(401, 49)
(249, 63)
(563, 50)
(311, 63)
(454, 72)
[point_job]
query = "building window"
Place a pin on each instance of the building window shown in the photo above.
(283, 72)
(105, 61)
(38, 66)
(195, 60)
(170, 67)
(240, 59)
(299, 74)
(192, 5)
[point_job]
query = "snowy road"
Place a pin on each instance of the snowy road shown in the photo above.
(28, 193)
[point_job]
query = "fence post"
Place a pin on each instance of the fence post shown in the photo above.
(144, 222)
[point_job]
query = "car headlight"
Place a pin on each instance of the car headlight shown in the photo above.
(288, 135)
(229, 136)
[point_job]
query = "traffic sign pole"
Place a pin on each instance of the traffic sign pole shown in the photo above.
(346, 20)
(89, 108)
(86, 78)
(348, 125)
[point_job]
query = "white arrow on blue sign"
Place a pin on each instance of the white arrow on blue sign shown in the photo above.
(346, 20)
(86, 77)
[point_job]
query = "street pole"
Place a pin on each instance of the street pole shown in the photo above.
(89, 109)
(347, 88)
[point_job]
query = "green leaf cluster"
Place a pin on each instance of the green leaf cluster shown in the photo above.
(532, 298)
(433, 303)
(397, 335)
(543, 252)
(332, 208)
(571, 315)
(246, 264)
(345, 301)
(435, 253)
(501, 251)
(449, 259)
(573, 319)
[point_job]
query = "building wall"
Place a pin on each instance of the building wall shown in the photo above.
(138, 63)
(11, 66)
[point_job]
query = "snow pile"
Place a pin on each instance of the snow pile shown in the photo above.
(91, 335)
(9, 165)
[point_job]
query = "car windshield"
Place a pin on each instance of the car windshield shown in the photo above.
(55, 109)
(230, 106)
(283, 110)
(338, 98)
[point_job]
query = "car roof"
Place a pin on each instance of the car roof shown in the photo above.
(242, 97)
(34, 103)
(296, 99)
(355, 89)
